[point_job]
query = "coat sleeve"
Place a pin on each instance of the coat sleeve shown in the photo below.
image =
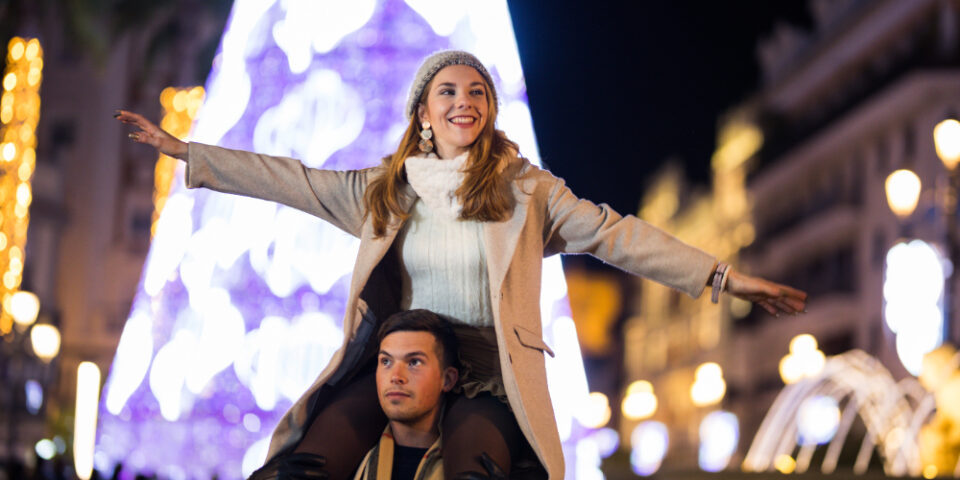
(575, 225)
(334, 196)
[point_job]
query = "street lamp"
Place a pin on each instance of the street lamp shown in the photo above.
(20, 349)
(903, 192)
(45, 340)
(24, 307)
(946, 140)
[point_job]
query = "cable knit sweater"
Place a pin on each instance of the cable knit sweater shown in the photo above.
(444, 267)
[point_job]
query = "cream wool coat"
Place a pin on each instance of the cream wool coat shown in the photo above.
(546, 219)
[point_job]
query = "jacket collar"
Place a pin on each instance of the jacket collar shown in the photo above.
(385, 450)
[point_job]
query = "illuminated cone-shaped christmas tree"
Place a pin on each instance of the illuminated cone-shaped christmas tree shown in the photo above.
(241, 300)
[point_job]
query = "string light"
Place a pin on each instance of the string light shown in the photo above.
(180, 106)
(19, 115)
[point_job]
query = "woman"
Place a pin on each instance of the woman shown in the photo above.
(454, 211)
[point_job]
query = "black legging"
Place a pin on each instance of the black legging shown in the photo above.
(351, 423)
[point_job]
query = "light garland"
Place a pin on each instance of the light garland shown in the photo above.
(180, 106)
(19, 114)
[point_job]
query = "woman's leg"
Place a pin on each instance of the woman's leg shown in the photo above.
(476, 426)
(349, 425)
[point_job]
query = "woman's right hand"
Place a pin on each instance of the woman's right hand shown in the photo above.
(153, 135)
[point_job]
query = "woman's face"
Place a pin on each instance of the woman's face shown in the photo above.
(456, 107)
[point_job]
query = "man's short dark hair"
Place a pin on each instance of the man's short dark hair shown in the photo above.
(425, 321)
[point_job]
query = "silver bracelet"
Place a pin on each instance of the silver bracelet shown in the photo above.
(719, 279)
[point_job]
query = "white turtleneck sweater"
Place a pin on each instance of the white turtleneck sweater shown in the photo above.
(443, 260)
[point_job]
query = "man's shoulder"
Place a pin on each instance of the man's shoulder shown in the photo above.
(368, 464)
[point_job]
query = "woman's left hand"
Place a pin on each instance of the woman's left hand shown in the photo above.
(772, 297)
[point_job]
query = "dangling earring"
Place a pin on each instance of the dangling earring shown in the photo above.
(426, 146)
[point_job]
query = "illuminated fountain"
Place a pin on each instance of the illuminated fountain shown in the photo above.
(822, 409)
(240, 302)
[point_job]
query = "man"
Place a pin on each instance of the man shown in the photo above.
(416, 366)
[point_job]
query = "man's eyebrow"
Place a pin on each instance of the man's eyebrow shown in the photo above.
(417, 353)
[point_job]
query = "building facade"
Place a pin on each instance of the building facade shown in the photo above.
(839, 108)
(92, 205)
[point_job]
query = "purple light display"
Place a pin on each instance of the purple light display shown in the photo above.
(240, 302)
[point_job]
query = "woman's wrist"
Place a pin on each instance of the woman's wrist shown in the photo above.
(180, 151)
(718, 281)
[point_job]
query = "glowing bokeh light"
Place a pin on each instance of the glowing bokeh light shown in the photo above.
(608, 440)
(45, 449)
(903, 192)
(240, 301)
(817, 420)
(595, 411)
(708, 386)
(640, 402)
(649, 441)
(785, 464)
(33, 393)
(45, 340)
(946, 139)
(719, 436)
(85, 419)
(913, 296)
(805, 359)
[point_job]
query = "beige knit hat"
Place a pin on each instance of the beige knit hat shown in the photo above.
(433, 64)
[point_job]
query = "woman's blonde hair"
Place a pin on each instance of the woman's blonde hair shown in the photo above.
(484, 193)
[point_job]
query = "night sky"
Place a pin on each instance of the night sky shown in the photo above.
(616, 88)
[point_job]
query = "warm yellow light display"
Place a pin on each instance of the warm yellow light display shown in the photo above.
(640, 402)
(738, 142)
(19, 114)
(708, 386)
(595, 411)
(946, 139)
(804, 360)
(785, 464)
(903, 192)
(180, 106)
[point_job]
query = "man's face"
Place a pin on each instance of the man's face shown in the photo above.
(411, 378)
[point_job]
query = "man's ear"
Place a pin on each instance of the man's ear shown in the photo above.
(450, 377)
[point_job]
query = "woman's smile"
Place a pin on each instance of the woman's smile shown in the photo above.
(457, 108)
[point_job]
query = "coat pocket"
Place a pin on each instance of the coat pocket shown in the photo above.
(532, 340)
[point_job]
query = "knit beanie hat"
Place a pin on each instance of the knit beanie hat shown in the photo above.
(433, 64)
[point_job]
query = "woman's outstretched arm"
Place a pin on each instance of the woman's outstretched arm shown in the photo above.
(334, 196)
(576, 225)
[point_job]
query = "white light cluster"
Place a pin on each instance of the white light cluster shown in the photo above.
(719, 435)
(85, 420)
(565, 375)
(317, 26)
(913, 300)
(817, 420)
(649, 442)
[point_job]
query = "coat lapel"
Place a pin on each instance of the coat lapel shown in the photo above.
(372, 249)
(500, 239)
